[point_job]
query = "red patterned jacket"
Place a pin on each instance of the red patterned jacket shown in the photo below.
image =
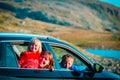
(29, 60)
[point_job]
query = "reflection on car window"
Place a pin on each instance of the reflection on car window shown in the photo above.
(10, 56)
(61, 51)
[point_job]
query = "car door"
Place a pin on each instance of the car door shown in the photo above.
(59, 50)
(9, 66)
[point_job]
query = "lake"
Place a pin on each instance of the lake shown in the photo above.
(113, 2)
(105, 53)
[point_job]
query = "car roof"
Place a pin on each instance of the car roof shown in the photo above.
(5, 36)
(25, 35)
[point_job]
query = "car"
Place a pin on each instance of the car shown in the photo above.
(12, 44)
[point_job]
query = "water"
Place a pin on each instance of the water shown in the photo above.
(105, 53)
(113, 2)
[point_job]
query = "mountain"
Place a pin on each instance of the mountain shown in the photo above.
(81, 14)
(85, 23)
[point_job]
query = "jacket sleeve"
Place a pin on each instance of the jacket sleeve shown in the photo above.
(22, 59)
(78, 68)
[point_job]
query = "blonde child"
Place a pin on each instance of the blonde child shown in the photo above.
(30, 58)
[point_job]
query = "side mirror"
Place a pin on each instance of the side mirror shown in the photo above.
(98, 68)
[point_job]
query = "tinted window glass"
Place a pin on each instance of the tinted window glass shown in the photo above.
(8, 58)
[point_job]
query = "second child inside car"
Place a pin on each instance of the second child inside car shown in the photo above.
(46, 61)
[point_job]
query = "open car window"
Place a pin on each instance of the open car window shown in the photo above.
(60, 51)
(19, 47)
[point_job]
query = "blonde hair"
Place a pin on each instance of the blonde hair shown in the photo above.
(35, 40)
(51, 60)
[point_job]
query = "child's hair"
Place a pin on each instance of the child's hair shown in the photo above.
(64, 57)
(51, 60)
(35, 40)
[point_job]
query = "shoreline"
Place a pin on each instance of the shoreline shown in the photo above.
(109, 64)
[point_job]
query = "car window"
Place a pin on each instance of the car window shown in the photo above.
(19, 47)
(60, 51)
(8, 58)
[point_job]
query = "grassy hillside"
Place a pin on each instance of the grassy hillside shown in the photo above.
(79, 22)
(80, 37)
(85, 14)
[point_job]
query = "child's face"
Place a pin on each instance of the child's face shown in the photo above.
(68, 63)
(44, 61)
(34, 47)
